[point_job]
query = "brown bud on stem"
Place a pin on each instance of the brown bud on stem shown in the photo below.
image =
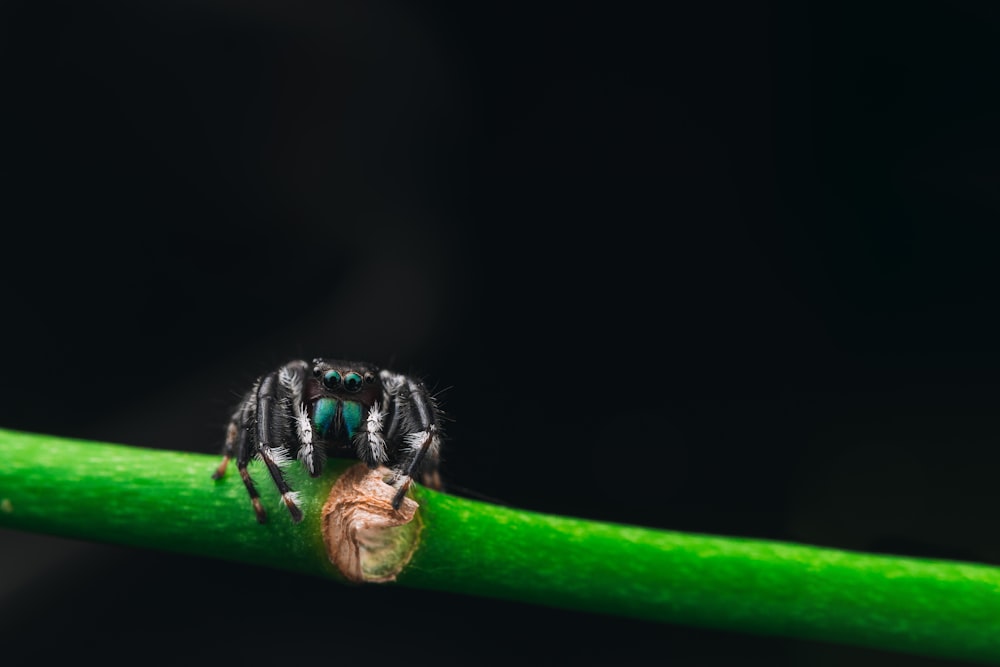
(365, 537)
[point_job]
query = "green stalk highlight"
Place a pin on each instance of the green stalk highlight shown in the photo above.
(166, 500)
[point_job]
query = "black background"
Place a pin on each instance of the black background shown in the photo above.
(719, 268)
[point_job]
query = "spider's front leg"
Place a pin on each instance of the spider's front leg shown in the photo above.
(416, 432)
(272, 415)
(272, 420)
(292, 381)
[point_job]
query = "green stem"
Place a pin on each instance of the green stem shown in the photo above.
(166, 500)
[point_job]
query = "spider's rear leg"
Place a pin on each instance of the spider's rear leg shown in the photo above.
(244, 451)
(237, 445)
(233, 434)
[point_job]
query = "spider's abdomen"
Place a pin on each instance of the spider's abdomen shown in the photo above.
(333, 417)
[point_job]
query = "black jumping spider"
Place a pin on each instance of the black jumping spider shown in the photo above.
(341, 408)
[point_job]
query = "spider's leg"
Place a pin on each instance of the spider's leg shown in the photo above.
(421, 439)
(274, 456)
(292, 378)
(244, 450)
(233, 434)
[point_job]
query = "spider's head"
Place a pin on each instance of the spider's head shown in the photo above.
(350, 380)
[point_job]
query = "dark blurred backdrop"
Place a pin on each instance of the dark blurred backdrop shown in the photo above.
(724, 268)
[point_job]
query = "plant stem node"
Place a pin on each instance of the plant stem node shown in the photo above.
(365, 537)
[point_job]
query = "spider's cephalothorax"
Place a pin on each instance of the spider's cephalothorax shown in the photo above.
(340, 408)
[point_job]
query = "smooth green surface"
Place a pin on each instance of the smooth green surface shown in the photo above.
(155, 499)
(166, 500)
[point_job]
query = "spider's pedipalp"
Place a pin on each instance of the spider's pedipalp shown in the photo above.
(370, 444)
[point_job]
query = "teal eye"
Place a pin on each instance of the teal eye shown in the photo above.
(331, 379)
(352, 381)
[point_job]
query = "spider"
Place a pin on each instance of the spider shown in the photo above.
(342, 408)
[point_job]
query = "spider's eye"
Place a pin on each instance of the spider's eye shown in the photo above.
(331, 379)
(352, 382)
(369, 378)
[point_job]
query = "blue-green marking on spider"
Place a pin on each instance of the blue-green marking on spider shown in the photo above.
(325, 416)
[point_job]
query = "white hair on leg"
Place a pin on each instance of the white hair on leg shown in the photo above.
(415, 441)
(369, 443)
(291, 378)
(303, 426)
(435, 447)
(392, 381)
(278, 455)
